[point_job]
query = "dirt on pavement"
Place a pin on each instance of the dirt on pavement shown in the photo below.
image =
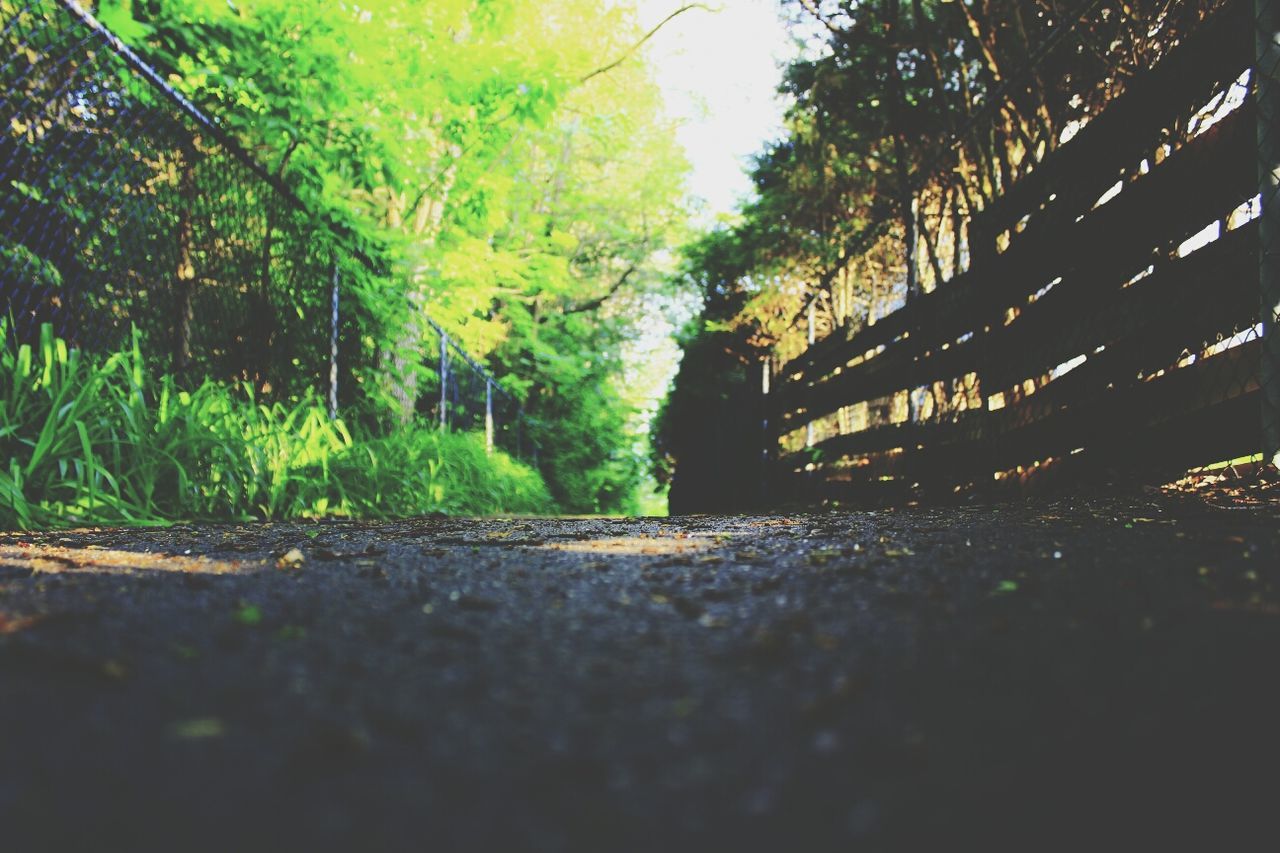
(1057, 674)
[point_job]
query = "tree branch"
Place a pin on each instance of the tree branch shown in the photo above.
(812, 8)
(284, 160)
(604, 69)
(593, 304)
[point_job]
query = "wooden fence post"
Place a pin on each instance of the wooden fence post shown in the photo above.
(767, 441)
(1267, 90)
(812, 338)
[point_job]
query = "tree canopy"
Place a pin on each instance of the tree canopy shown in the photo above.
(908, 119)
(505, 164)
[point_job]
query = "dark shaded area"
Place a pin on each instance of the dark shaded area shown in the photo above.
(1093, 673)
(709, 433)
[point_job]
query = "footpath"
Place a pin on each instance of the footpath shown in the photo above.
(1093, 673)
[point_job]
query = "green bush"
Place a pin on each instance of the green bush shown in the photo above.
(85, 441)
(21, 262)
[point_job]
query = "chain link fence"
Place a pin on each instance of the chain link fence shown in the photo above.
(123, 206)
(1081, 282)
(459, 393)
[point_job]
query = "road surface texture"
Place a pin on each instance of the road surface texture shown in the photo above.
(1096, 673)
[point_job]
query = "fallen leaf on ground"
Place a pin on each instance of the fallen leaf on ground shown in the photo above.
(1265, 609)
(14, 624)
(114, 669)
(822, 556)
(197, 729)
(248, 614)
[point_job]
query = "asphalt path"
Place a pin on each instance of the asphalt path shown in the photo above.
(1074, 674)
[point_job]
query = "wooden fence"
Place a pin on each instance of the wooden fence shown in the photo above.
(1108, 320)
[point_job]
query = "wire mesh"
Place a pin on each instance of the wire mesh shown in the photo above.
(124, 206)
(1075, 281)
(458, 393)
(121, 206)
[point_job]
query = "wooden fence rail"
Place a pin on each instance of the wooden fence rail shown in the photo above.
(1090, 332)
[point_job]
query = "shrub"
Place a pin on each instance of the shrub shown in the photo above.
(85, 441)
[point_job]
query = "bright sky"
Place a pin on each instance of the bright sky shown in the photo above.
(719, 72)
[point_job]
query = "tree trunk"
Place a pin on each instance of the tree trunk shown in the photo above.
(897, 105)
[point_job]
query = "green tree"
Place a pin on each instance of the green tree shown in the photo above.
(504, 164)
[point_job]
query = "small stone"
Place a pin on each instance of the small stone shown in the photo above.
(475, 603)
(292, 559)
(826, 742)
(115, 670)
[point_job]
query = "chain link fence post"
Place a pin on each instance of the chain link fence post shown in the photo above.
(334, 280)
(488, 416)
(444, 380)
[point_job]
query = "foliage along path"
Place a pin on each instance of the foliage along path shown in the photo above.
(1037, 674)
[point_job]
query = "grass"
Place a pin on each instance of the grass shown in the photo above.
(87, 441)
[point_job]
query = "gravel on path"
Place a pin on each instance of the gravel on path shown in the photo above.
(1095, 674)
